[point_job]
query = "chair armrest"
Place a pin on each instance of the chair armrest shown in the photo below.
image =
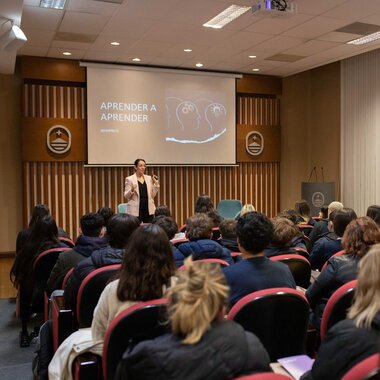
(87, 366)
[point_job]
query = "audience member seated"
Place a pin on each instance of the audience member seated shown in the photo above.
(200, 244)
(162, 210)
(321, 227)
(202, 344)
(255, 272)
(171, 228)
(42, 235)
(90, 239)
(286, 235)
(302, 208)
(357, 337)
(106, 213)
(228, 238)
(38, 212)
(119, 229)
(374, 213)
(357, 239)
(204, 205)
(324, 212)
(248, 207)
(146, 272)
(331, 242)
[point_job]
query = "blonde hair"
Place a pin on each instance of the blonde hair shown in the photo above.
(196, 299)
(248, 207)
(367, 292)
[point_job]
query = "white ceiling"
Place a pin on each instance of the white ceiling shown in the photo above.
(157, 31)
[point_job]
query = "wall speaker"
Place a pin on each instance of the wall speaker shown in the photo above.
(13, 39)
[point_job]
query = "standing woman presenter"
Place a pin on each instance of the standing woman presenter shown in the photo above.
(140, 190)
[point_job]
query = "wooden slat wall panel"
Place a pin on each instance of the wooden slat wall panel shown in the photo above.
(70, 189)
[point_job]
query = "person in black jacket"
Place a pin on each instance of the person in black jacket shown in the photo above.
(352, 340)
(228, 237)
(202, 344)
(119, 229)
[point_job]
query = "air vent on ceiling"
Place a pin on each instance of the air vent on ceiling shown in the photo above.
(284, 58)
(359, 28)
(75, 37)
(110, 1)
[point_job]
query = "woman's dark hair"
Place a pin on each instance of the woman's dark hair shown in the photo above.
(303, 209)
(120, 228)
(290, 214)
(374, 213)
(341, 219)
(325, 211)
(360, 235)
(162, 210)
(138, 160)
(148, 265)
(106, 213)
(204, 205)
(44, 233)
(38, 212)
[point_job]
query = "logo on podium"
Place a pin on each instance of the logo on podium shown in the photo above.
(254, 143)
(58, 139)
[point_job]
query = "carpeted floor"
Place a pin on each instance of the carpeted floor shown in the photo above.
(15, 362)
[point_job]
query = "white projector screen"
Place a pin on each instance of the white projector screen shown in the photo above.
(165, 117)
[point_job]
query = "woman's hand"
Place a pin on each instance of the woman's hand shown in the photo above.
(155, 179)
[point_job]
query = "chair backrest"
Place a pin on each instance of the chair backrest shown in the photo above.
(335, 254)
(89, 293)
(215, 233)
(67, 275)
(367, 369)
(182, 228)
(216, 261)
(121, 208)
(302, 252)
(66, 241)
(142, 321)
(305, 228)
(337, 306)
(42, 267)
(298, 265)
(264, 376)
(278, 317)
(228, 208)
(177, 242)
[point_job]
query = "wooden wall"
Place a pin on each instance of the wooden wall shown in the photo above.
(71, 189)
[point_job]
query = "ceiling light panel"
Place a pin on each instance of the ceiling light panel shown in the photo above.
(54, 4)
(225, 17)
(365, 40)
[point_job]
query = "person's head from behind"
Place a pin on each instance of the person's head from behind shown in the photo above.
(199, 226)
(290, 214)
(367, 292)
(45, 229)
(341, 218)
(38, 212)
(162, 210)
(335, 205)
(148, 265)
(324, 212)
(167, 224)
(120, 228)
(106, 213)
(374, 213)
(360, 235)
(198, 299)
(91, 224)
(254, 231)
(248, 207)
(284, 231)
(227, 228)
(203, 204)
(302, 208)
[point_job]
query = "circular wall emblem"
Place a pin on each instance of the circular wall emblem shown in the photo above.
(58, 139)
(254, 143)
(318, 199)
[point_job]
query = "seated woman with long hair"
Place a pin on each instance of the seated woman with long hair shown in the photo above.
(358, 237)
(357, 337)
(146, 272)
(202, 344)
(204, 205)
(43, 235)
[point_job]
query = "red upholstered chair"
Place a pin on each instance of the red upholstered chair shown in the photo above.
(142, 321)
(337, 306)
(367, 369)
(216, 261)
(264, 376)
(236, 256)
(302, 252)
(305, 228)
(183, 228)
(335, 254)
(177, 242)
(298, 265)
(279, 318)
(66, 241)
(215, 233)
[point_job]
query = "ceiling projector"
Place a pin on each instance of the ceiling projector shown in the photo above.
(275, 8)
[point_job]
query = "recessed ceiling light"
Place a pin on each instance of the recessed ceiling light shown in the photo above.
(136, 59)
(225, 17)
(255, 69)
(187, 50)
(199, 64)
(251, 56)
(54, 4)
(365, 39)
(115, 43)
(66, 53)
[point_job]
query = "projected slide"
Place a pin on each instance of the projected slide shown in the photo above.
(165, 117)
